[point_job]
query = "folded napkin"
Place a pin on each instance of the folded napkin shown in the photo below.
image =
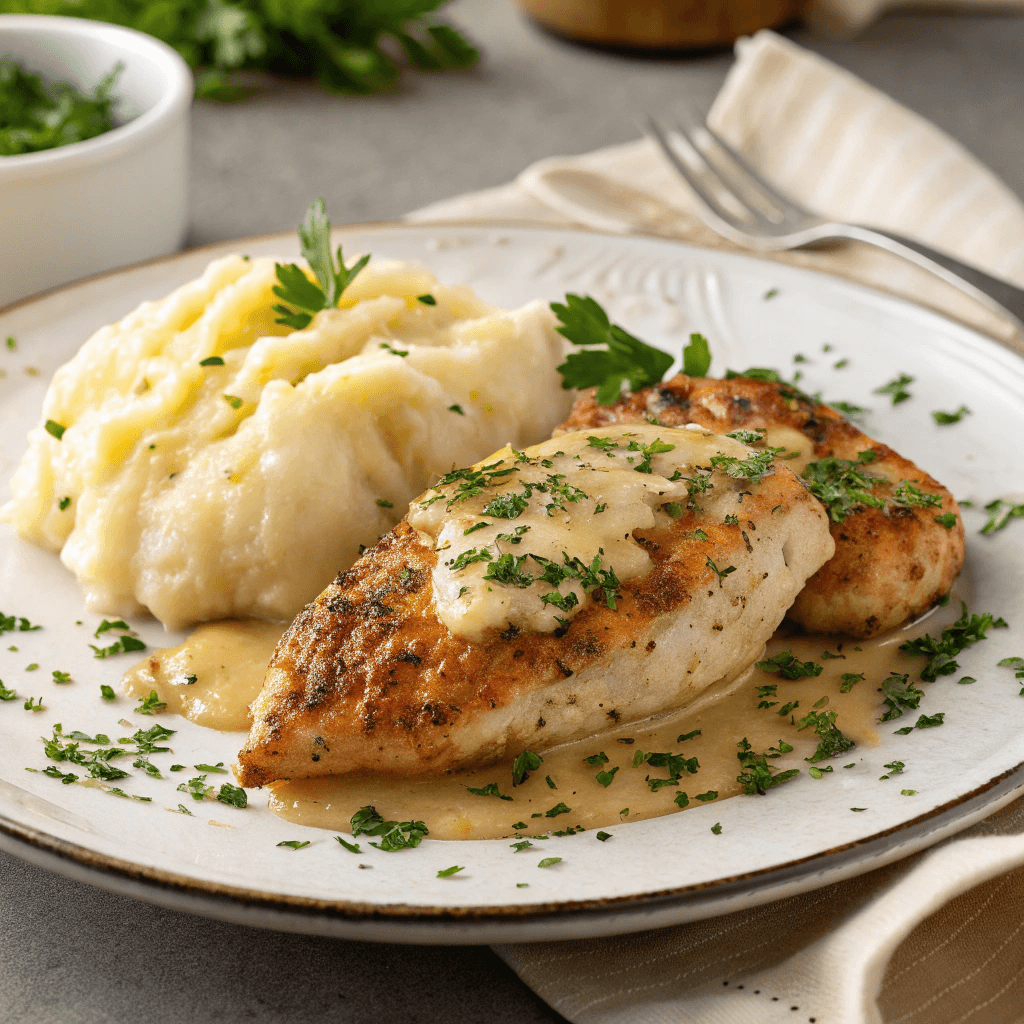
(935, 938)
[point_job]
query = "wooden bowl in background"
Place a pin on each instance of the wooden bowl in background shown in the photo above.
(658, 24)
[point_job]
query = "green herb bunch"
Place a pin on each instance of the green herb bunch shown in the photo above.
(350, 46)
(35, 116)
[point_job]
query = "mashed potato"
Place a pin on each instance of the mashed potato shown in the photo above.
(240, 488)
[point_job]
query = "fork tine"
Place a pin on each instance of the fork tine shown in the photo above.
(724, 221)
(754, 178)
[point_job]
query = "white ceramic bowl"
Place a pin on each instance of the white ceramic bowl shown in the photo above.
(115, 199)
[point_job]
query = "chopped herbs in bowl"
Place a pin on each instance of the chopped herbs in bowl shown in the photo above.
(35, 115)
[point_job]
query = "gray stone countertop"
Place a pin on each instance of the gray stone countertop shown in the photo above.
(72, 954)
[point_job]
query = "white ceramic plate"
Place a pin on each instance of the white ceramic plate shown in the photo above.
(655, 872)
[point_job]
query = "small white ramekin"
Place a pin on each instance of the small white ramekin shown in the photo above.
(119, 198)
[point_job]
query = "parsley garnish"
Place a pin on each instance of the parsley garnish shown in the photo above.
(907, 493)
(123, 645)
(720, 573)
(457, 409)
(10, 623)
(930, 721)
(448, 872)
(947, 519)
(64, 504)
(211, 361)
(620, 359)
(351, 847)
(1000, 513)
(849, 680)
(596, 760)
(656, 447)
(711, 794)
(681, 799)
(831, 741)
(747, 436)
(757, 775)
(523, 764)
(394, 835)
(294, 844)
(848, 409)
(55, 429)
(427, 300)
(197, 788)
(234, 401)
(61, 677)
(717, 828)
(841, 486)
(151, 704)
(899, 694)
(555, 811)
(36, 704)
(945, 418)
(296, 288)
(6, 694)
(507, 570)
(506, 506)
(548, 862)
(107, 692)
(789, 667)
(897, 388)
(697, 356)
(233, 796)
(491, 789)
(687, 736)
(894, 768)
(966, 631)
(217, 768)
(604, 778)
(755, 466)
(603, 836)
(384, 503)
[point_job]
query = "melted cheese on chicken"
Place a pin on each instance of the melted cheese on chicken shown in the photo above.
(524, 537)
(215, 463)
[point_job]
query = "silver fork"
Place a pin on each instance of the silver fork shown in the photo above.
(738, 203)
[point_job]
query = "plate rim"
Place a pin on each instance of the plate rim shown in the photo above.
(224, 901)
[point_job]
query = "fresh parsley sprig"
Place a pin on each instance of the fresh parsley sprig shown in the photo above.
(613, 356)
(296, 288)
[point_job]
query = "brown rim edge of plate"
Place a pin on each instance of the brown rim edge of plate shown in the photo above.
(353, 911)
(1011, 342)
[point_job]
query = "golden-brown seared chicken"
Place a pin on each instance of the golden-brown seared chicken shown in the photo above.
(894, 558)
(538, 597)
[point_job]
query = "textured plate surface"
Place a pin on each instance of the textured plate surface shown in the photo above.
(654, 872)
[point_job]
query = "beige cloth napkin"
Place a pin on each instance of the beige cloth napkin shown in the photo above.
(934, 939)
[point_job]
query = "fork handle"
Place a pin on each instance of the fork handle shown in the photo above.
(1000, 296)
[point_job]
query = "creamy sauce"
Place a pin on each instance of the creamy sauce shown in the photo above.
(212, 677)
(725, 715)
(228, 661)
(560, 508)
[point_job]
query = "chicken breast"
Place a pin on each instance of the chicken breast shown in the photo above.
(538, 597)
(899, 546)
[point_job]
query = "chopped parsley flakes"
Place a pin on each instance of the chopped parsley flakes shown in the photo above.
(394, 835)
(841, 485)
(789, 667)
(941, 651)
(1000, 513)
(896, 388)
